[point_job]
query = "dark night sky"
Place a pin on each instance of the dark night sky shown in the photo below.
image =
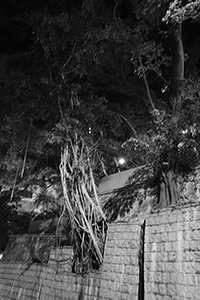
(10, 30)
(3, 59)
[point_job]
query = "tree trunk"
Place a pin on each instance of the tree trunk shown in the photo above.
(177, 71)
(168, 190)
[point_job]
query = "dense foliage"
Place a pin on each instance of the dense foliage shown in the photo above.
(103, 59)
(122, 75)
(11, 222)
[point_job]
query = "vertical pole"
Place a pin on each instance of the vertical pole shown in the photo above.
(141, 291)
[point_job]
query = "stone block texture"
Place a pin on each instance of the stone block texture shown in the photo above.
(119, 274)
(172, 254)
(171, 265)
(117, 278)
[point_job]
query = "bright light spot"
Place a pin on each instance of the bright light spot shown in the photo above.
(185, 131)
(121, 161)
(165, 87)
(180, 145)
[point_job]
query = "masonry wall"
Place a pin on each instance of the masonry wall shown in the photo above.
(117, 279)
(172, 254)
(120, 271)
(171, 264)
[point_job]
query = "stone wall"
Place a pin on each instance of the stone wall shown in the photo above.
(117, 279)
(171, 265)
(172, 254)
(120, 272)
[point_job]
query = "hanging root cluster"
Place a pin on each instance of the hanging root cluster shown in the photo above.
(81, 203)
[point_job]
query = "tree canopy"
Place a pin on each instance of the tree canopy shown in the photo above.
(115, 62)
(122, 72)
(120, 75)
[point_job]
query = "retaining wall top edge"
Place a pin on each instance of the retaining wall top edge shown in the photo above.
(23, 263)
(124, 223)
(39, 234)
(174, 208)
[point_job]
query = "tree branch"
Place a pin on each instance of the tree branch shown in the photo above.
(177, 75)
(115, 9)
(160, 75)
(66, 63)
(127, 83)
(146, 85)
(130, 125)
(26, 151)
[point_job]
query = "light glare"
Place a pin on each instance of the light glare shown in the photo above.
(121, 161)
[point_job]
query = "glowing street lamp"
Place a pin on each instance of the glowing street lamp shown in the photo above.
(121, 161)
